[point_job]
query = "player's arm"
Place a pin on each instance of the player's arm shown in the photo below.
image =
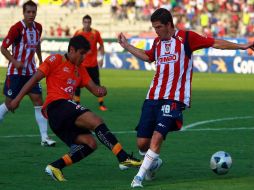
(96, 90)
(223, 44)
(7, 54)
(26, 88)
(139, 53)
(38, 52)
(101, 54)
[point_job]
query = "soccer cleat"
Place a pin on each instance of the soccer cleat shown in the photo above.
(103, 108)
(48, 142)
(55, 173)
(136, 182)
(150, 174)
(130, 162)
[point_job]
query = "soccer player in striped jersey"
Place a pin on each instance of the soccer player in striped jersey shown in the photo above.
(70, 121)
(94, 58)
(24, 37)
(170, 90)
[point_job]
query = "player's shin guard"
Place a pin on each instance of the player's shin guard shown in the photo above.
(110, 141)
(77, 153)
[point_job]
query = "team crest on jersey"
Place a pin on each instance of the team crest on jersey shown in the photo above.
(31, 35)
(167, 48)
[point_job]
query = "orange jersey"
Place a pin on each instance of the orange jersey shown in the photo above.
(62, 78)
(93, 37)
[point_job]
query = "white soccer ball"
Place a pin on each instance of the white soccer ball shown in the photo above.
(220, 162)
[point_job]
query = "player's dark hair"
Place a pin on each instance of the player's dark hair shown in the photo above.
(79, 42)
(87, 17)
(162, 15)
(29, 3)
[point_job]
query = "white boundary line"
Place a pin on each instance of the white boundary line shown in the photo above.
(187, 127)
(213, 121)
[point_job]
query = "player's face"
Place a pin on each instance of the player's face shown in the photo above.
(77, 56)
(87, 24)
(29, 14)
(162, 30)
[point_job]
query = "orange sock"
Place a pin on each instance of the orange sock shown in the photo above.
(117, 148)
(67, 159)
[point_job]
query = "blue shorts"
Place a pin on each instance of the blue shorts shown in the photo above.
(162, 116)
(14, 83)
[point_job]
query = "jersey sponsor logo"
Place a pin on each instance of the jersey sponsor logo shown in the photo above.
(70, 81)
(170, 58)
(30, 46)
(66, 69)
(68, 90)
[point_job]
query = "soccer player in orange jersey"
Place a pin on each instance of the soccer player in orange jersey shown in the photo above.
(70, 121)
(93, 60)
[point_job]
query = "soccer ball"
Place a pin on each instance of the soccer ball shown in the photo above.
(220, 162)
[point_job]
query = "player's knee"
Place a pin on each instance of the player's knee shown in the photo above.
(92, 144)
(143, 144)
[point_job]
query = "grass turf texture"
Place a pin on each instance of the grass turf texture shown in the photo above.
(185, 154)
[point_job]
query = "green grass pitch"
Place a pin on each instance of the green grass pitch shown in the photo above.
(221, 118)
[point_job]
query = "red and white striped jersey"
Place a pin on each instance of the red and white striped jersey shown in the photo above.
(173, 59)
(24, 42)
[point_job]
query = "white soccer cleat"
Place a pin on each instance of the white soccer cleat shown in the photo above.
(150, 175)
(48, 142)
(136, 182)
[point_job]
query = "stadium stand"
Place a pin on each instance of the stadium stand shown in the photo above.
(218, 18)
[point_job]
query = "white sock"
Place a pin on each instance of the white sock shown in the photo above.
(41, 121)
(3, 111)
(147, 163)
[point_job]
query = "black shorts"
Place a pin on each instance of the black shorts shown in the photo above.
(94, 74)
(62, 115)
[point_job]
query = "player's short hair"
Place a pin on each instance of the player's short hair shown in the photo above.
(79, 42)
(29, 3)
(87, 17)
(162, 15)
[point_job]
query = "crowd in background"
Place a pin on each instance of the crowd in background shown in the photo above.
(218, 18)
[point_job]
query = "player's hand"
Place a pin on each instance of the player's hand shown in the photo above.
(251, 46)
(18, 64)
(100, 63)
(102, 91)
(13, 105)
(122, 40)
